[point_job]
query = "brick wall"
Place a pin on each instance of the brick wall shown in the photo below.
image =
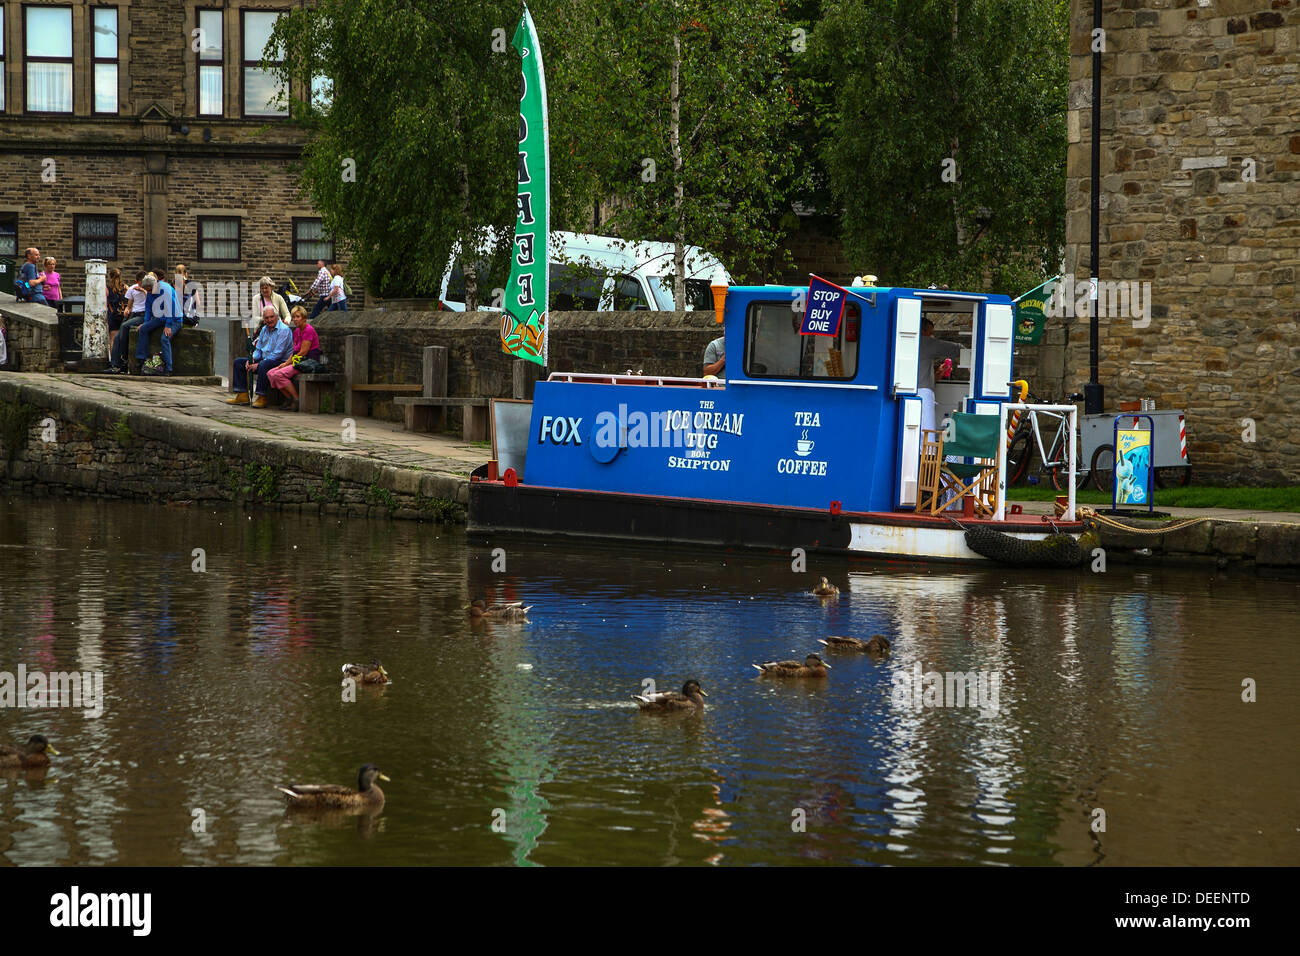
(1201, 197)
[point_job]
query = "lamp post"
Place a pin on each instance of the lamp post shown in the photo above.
(1093, 394)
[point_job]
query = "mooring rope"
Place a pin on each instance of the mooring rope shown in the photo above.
(1093, 515)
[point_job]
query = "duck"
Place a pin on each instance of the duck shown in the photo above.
(812, 666)
(515, 611)
(877, 644)
(329, 796)
(372, 673)
(35, 753)
(691, 697)
(826, 589)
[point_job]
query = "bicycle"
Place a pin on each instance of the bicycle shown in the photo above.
(1054, 460)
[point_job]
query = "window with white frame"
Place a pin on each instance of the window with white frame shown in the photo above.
(47, 70)
(104, 78)
(211, 63)
(261, 87)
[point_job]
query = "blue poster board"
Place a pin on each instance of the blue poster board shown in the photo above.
(825, 308)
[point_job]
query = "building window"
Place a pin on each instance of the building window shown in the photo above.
(48, 68)
(219, 238)
(94, 237)
(105, 59)
(261, 88)
(310, 242)
(211, 64)
(9, 235)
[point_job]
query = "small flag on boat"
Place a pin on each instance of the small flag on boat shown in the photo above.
(825, 307)
(523, 319)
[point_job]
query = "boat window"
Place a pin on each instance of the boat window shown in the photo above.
(774, 347)
(575, 288)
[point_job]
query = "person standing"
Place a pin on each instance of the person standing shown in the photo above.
(118, 305)
(320, 288)
(715, 356)
(931, 350)
(338, 291)
(52, 286)
(274, 343)
(162, 311)
(30, 274)
(191, 304)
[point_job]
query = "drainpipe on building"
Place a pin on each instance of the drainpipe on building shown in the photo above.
(94, 332)
(1093, 396)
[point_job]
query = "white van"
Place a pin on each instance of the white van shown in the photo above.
(596, 274)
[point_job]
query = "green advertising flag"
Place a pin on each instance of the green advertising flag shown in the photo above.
(523, 322)
(1031, 313)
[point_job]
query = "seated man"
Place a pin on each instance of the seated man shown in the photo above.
(273, 346)
(162, 311)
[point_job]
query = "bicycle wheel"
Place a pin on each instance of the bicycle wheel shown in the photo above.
(1103, 468)
(1060, 474)
(1018, 455)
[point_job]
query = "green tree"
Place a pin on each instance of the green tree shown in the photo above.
(676, 113)
(415, 148)
(945, 142)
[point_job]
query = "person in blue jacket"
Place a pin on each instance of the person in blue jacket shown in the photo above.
(162, 309)
(273, 347)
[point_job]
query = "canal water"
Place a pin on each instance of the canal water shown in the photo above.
(1115, 732)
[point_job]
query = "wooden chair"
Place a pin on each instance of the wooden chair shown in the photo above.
(975, 483)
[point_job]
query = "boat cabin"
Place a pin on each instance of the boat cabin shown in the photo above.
(794, 420)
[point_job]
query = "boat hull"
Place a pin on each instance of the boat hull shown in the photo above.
(495, 507)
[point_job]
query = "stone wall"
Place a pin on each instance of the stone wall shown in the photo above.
(31, 334)
(655, 343)
(1200, 180)
(54, 445)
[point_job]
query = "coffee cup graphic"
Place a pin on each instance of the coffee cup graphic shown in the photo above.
(803, 446)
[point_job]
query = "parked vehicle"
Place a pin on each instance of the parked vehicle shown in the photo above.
(594, 274)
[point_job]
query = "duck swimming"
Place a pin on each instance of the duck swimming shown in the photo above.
(825, 589)
(691, 697)
(812, 666)
(372, 673)
(481, 610)
(878, 644)
(311, 796)
(35, 753)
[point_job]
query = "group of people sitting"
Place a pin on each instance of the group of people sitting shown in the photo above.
(150, 303)
(278, 353)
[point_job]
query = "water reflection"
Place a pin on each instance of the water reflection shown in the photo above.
(519, 744)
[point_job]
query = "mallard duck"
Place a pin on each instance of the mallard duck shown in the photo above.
(812, 666)
(372, 673)
(691, 697)
(826, 589)
(35, 753)
(329, 796)
(499, 612)
(877, 644)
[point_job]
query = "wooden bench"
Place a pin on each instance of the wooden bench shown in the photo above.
(356, 373)
(312, 387)
(429, 411)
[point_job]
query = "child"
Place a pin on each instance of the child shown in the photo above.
(53, 293)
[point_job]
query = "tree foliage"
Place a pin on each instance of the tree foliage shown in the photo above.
(918, 83)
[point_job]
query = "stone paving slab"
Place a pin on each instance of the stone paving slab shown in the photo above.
(205, 405)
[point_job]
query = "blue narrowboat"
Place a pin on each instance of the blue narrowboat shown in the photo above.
(804, 440)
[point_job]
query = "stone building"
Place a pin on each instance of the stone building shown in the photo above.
(141, 133)
(1200, 177)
